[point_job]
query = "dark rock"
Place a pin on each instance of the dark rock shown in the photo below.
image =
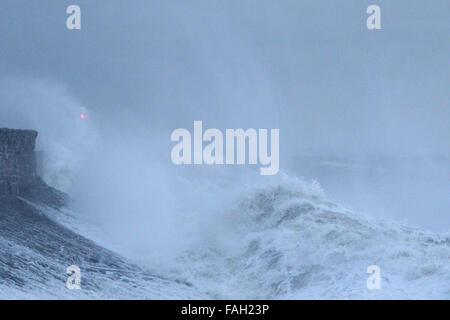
(18, 169)
(17, 160)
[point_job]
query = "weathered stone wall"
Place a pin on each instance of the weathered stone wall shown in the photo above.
(17, 160)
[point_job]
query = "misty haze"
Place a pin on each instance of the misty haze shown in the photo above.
(360, 176)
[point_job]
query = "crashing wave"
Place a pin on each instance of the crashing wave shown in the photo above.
(285, 241)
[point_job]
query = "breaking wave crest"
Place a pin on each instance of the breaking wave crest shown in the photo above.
(285, 241)
(279, 240)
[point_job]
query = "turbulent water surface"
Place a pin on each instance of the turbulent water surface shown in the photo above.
(278, 241)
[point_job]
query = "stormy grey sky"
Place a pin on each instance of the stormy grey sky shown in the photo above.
(140, 69)
(309, 67)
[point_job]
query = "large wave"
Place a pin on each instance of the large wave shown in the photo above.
(286, 241)
(232, 236)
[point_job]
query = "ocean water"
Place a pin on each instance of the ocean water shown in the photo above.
(278, 240)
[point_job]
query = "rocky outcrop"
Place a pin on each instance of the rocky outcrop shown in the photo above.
(17, 160)
(18, 175)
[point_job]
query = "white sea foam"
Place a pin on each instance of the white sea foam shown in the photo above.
(288, 242)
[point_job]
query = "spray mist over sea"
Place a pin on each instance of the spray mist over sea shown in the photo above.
(364, 162)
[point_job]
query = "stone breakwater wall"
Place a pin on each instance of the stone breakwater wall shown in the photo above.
(17, 160)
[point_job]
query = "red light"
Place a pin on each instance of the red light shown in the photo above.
(82, 116)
